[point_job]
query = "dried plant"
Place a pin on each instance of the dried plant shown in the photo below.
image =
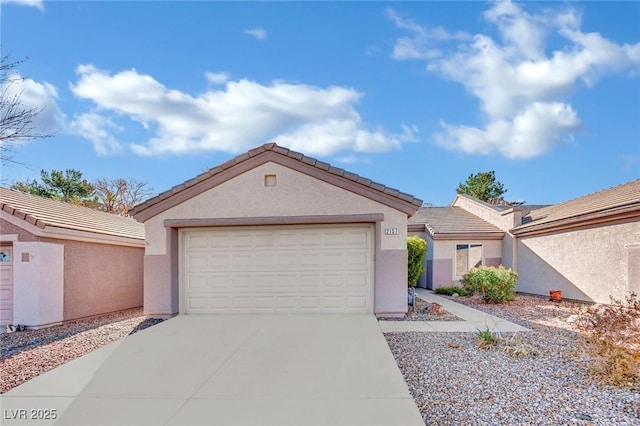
(610, 341)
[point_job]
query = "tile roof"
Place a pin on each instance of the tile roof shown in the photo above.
(452, 220)
(44, 212)
(273, 147)
(612, 201)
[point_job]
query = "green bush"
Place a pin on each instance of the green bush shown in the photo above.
(497, 285)
(417, 250)
(450, 290)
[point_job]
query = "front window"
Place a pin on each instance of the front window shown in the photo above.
(467, 256)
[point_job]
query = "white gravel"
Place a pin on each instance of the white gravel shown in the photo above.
(27, 354)
(455, 383)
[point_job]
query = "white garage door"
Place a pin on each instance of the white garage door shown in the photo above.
(311, 268)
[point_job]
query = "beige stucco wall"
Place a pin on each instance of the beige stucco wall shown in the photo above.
(295, 194)
(100, 278)
(504, 221)
(37, 283)
(444, 254)
(587, 264)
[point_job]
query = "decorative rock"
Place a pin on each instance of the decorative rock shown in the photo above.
(455, 383)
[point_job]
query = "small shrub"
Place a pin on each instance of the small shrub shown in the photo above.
(610, 339)
(417, 250)
(486, 339)
(497, 285)
(450, 290)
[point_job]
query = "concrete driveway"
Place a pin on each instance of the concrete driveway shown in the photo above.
(227, 370)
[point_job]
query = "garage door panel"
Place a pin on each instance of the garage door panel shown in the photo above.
(278, 269)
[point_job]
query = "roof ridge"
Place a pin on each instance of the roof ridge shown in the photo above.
(281, 150)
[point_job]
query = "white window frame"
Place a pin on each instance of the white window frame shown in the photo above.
(469, 266)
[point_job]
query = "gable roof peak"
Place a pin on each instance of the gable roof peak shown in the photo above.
(275, 153)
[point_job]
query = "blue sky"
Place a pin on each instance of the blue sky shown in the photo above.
(415, 95)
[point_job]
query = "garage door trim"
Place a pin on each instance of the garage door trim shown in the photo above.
(274, 220)
(371, 230)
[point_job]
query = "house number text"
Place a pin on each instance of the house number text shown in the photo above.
(390, 231)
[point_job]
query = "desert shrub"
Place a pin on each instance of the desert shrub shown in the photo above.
(610, 340)
(497, 285)
(417, 250)
(450, 290)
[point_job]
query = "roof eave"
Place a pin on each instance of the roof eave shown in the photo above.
(468, 236)
(600, 218)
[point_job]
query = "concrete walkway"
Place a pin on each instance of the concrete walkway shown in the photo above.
(473, 319)
(227, 370)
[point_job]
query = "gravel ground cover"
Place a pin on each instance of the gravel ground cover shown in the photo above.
(425, 311)
(540, 382)
(27, 354)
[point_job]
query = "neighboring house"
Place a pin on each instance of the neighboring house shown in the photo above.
(273, 230)
(588, 247)
(60, 262)
(456, 242)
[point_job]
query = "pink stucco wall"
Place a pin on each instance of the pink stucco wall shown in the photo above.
(100, 278)
(94, 278)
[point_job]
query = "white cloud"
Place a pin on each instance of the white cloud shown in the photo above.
(95, 128)
(529, 134)
(38, 97)
(523, 91)
(423, 40)
(353, 159)
(258, 33)
(235, 117)
(39, 4)
(217, 78)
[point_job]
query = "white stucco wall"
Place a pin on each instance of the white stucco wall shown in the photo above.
(588, 264)
(38, 277)
(296, 194)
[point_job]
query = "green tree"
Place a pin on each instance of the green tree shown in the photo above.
(483, 186)
(68, 186)
(416, 250)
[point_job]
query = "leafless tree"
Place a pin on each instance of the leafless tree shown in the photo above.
(119, 196)
(16, 118)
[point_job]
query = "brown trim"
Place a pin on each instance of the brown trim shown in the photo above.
(469, 236)
(626, 214)
(233, 168)
(273, 220)
(416, 227)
